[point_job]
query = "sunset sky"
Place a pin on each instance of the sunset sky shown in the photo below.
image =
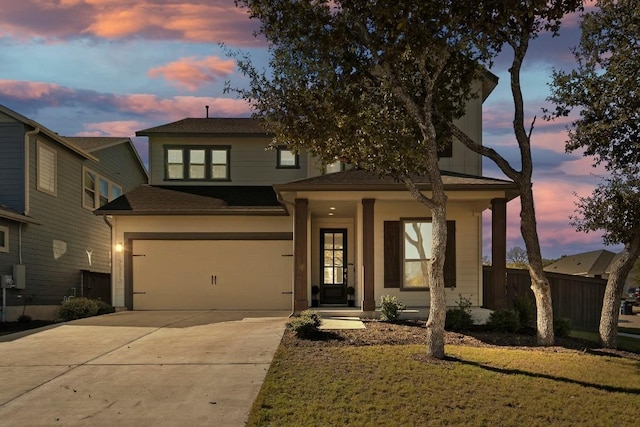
(111, 67)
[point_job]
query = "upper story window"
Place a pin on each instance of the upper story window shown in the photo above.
(189, 163)
(287, 159)
(4, 239)
(97, 190)
(336, 166)
(46, 180)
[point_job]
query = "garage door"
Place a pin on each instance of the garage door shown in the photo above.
(212, 274)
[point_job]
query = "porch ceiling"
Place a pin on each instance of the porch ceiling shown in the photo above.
(332, 208)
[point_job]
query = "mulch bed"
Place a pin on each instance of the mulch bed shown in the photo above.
(414, 332)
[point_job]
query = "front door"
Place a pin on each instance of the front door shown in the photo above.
(334, 266)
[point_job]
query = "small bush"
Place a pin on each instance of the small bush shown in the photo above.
(526, 310)
(104, 308)
(561, 327)
(306, 325)
(24, 318)
(504, 321)
(390, 308)
(78, 308)
(459, 319)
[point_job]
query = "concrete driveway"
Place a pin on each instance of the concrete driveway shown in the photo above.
(170, 368)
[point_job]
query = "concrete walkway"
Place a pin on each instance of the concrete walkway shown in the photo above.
(139, 369)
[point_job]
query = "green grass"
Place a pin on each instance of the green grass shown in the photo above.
(391, 386)
(624, 343)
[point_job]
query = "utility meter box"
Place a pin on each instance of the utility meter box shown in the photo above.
(19, 276)
(6, 281)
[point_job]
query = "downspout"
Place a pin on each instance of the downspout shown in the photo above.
(111, 248)
(293, 205)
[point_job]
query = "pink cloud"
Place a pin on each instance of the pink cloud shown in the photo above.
(192, 73)
(190, 20)
(115, 128)
(22, 90)
(180, 107)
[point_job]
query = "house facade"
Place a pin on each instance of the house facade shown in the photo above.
(49, 187)
(227, 224)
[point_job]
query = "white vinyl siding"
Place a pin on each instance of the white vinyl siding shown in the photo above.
(46, 172)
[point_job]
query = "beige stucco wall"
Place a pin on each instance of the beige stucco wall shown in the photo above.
(184, 224)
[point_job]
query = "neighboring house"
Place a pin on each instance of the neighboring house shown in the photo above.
(227, 224)
(49, 187)
(595, 264)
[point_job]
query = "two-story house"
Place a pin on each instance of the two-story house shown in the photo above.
(227, 224)
(49, 187)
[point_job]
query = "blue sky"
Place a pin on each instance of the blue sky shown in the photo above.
(111, 67)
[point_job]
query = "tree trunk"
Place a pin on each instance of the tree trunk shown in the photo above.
(539, 282)
(613, 292)
(438, 304)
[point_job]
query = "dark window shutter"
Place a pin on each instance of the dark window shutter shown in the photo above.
(392, 254)
(450, 257)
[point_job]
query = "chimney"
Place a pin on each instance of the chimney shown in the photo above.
(207, 107)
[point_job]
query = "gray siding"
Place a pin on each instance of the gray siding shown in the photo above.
(250, 162)
(56, 251)
(12, 165)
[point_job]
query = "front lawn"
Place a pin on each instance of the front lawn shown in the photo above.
(393, 385)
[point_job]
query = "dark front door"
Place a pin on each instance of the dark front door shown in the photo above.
(333, 264)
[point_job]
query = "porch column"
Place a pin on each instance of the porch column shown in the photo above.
(300, 299)
(499, 252)
(368, 297)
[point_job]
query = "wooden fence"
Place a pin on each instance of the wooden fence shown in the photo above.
(96, 286)
(576, 298)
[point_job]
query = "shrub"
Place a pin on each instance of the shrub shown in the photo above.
(561, 327)
(459, 319)
(104, 308)
(24, 318)
(504, 321)
(390, 308)
(525, 309)
(78, 308)
(306, 325)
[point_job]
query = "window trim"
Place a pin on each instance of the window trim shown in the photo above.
(402, 257)
(186, 150)
(4, 243)
(296, 157)
(96, 191)
(44, 147)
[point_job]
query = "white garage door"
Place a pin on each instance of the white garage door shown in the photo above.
(212, 274)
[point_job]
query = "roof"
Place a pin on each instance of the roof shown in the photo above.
(590, 264)
(44, 130)
(359, 180)
(195, 200)
(208, 126)
(11, 214)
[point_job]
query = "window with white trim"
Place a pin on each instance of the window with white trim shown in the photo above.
(287, 159)
(334, 167)
(4, 239)
(97, 190)
(197, 163)
(46, 180)
(416, 253)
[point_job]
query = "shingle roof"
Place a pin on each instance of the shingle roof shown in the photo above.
(195, 200)
(215, 126)
(92, 143)
(361, 180)
(9, 213)
(584, 264)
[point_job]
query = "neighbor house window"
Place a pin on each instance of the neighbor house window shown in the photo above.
(287, 159)
(97, 190)
(4, 239)
(46, 172)
(407, 251)
(197, 163)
